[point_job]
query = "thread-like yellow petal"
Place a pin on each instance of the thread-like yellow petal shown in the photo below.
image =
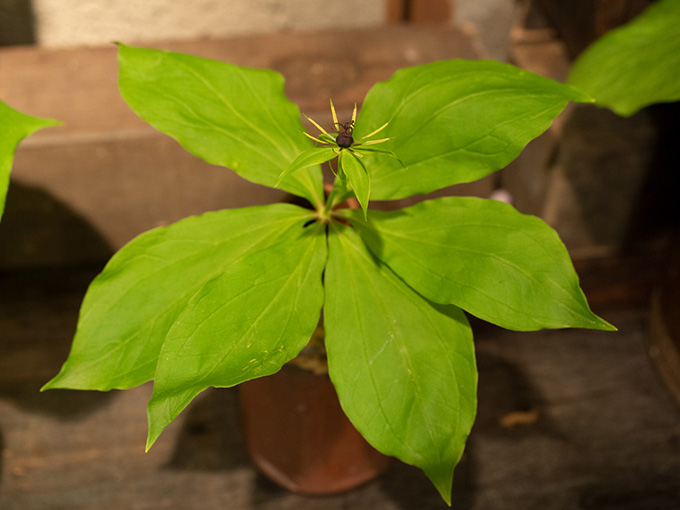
(313, 137)
(376, 131)
(373, 142)
(335, 116)
(317, 125)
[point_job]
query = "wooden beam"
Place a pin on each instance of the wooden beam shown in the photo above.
(419, 12)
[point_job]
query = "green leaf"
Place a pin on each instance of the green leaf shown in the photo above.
(225, 114)
(403, 367)
(485, 257)
(455, 121)
(246, 323)
(635, 65)
(357, 176)
(311, 157)
(14, 127)
(368, 148)
(131, 305)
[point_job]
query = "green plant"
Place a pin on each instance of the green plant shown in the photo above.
(231, 295)
(14, 127)
(635, 65)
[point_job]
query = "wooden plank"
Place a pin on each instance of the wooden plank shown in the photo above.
(419, 12)
(430, 12)
(396, 11)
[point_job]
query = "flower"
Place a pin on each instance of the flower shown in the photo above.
(352, 173)
(347, 128)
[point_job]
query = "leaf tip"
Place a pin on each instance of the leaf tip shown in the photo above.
(443, 485)
(603, 325)
(579, 95)
(54, 383)
(149, 442)
(52, 123)
(595, 322)
(47, 386)
(154, 428)
(365, 211)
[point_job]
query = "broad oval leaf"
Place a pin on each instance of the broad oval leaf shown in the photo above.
(635, 65)
(455, 121)
(14, 127)
(485, 257)
(403, 367)
(225, 114)
(131, 305)
(357, 177)
(246, 323)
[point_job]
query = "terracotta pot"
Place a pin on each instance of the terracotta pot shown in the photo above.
(299, 437)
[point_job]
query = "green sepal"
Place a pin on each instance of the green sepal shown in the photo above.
(310, 157)
(357, 177)
(363, 149)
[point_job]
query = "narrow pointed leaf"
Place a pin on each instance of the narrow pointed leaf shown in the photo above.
(485, 257)
(246, 323)
(225, 114)
(455, 121)
(311, 157)
(358, 178)
(14, 127)
(316, 125)
(132, 304)
(403, 367)
(325, 137)
(384, 152)
(635, 65)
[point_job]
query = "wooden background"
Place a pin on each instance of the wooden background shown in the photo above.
(567, 419)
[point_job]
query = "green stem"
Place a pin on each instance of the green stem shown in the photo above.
(333, 198)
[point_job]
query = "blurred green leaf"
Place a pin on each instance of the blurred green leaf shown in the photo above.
(635, 65)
